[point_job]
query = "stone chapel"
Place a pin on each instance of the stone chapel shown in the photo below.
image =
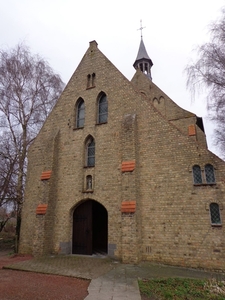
(119, 168)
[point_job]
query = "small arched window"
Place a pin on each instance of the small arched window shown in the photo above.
(102, 109)
(88, 80)
(215, 213)
(209, 174)
(93, 79)
(90, 152)
(197, 174)
(80, 113)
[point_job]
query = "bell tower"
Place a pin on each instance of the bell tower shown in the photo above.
(143, 61)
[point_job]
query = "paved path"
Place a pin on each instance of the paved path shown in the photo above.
(115, 285)
(110, 280)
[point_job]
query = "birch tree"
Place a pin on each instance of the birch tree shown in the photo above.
(207, 73)
(29, 89)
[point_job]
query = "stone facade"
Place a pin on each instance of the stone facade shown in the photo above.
(142, 175)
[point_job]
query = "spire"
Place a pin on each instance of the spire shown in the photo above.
(143, 61)
(142, 53)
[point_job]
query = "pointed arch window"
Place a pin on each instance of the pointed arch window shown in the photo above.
(197, 174)
(80, 113)
(215, 214)
(102, 109)
(209, 174)
(90, 152)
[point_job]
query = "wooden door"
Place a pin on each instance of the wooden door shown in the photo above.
(100, 228)
(82, 229)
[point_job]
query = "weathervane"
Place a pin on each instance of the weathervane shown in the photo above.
(141, 28)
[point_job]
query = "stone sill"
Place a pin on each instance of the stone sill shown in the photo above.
(87, 191)
(101, 123)
(87, 167)
(216, 225)
(204, 184)
(90, 87)
(78, 128)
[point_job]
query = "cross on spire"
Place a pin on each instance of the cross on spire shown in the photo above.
(141, 28)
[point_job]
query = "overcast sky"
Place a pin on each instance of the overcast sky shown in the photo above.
(60, 31)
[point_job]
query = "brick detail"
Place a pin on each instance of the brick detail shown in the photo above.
(191, 130)
(41, 209)
(128, 206)
(128, 166)
(46, 175)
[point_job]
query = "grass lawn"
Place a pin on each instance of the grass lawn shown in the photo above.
(182, 289)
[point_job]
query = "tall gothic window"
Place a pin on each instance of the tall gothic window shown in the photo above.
(80, 113)
(197, 174)
(209, 174)
(90, 152)
(102, 109)
(215, 213)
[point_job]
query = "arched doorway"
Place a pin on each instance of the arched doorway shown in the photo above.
(90, 228)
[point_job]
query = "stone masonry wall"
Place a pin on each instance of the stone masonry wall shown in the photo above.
(171, 223)
(176, 222)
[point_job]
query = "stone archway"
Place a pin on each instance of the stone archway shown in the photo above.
(90, 228)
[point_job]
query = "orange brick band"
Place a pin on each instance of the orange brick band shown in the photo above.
(128, 166)
(191, 130)
(46, 175)
(41, 209)
(128, 206)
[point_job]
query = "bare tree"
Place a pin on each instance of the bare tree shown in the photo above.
(4, 217)
(208, 72)
(8, 178)
(28, 91)
(8, 160)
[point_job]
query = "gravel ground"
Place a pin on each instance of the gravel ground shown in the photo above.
(20, 285)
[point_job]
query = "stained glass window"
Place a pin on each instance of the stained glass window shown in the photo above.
(209, 174)
(215, 213)
(197, 174)
(80, 114)
(102, 109)
(91, 153)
